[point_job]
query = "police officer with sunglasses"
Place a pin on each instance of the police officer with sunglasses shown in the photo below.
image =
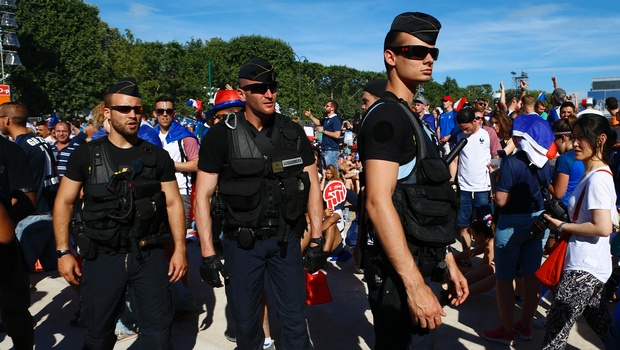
(132, 205)
(263, 168)
(404, 267)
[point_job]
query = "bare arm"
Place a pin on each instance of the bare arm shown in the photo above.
(600, 226)
(555, 82)
(332, 134)
(559, 186)
(312, 118)
(502, 98)
(381, 182)
(523, 86)
(191, 166)
(315, 202)
(453, 168)
(176, 218)
(63, 210)
(501, 198)
(510, 147)
(205, 189)
(331, 219)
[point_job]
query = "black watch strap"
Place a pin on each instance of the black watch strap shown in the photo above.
(60, 253)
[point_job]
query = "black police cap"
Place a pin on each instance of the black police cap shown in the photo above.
(422, 26)
(125, 86)
(258, 69)
(376, 87)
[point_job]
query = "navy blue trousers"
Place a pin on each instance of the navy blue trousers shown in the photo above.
(104, 284)
(249, 269)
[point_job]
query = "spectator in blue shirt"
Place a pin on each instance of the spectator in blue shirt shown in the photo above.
(332, 126)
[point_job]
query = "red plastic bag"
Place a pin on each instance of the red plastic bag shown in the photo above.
(317, 291)
(550, 271)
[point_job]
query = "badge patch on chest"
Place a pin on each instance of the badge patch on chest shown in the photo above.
(279, 166)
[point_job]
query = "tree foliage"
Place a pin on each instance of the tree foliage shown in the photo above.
(65, 55)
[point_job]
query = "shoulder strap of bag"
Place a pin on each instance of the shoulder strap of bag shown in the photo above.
(243, 143)
(583, 192)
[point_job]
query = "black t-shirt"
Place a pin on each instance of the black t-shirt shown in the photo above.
(387, 134)
(213, 153)
(79, 161)
(43, 165)
(15, 173)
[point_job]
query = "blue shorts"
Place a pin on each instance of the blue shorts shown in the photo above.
(515, 247)
(470, 201)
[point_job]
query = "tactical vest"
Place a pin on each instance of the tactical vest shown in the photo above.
(263, 190)
(123, 207)
(426, 200)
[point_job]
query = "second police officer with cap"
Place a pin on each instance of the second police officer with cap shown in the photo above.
(264, 170)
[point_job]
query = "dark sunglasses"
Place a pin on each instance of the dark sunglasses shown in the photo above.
(127, 109)
(416, 52)
(261, 88)
(160, 111)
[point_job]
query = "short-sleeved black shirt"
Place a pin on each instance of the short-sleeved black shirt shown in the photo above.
(43, 166)
(387, 134)
(213, 153)
(79, 161)
(15, 173)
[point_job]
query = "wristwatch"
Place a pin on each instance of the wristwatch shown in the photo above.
(60, 253)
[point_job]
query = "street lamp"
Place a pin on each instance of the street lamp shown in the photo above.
(8, 39)
(299, 81)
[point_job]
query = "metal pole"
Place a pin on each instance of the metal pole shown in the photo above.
(299, 82)
(2, 56)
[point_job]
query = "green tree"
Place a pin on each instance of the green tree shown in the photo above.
(65, 56)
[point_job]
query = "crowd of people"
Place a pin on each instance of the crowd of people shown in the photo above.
(111, 202)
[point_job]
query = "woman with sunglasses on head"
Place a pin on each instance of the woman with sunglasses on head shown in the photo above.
(592, 207)
(502, 125)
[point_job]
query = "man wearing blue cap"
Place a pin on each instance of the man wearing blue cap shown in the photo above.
(131, 207)
(263, 167)
(403, 269)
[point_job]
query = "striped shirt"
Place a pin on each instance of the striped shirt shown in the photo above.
(62, 156)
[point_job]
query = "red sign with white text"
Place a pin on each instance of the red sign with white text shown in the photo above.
(5, 93)
(334, 193)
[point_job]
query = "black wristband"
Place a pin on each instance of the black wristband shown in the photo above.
(60, 253)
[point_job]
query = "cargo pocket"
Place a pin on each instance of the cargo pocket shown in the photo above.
(430, 213)
(101, 229)
(242, 200)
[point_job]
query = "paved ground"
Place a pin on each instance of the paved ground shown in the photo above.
(345, 323)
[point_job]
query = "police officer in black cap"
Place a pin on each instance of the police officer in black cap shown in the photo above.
(131, 207)
(264, 170)
(405, 265)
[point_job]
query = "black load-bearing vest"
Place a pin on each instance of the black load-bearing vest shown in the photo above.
(426, 200)
(263, 190)
(123, 206)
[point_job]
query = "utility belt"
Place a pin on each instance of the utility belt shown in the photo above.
(246, 237)
(430, 262)
(126, 249)
(89, 249)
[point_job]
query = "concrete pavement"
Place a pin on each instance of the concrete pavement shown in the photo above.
(343, 324)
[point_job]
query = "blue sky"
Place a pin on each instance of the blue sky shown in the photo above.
(480, 42)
